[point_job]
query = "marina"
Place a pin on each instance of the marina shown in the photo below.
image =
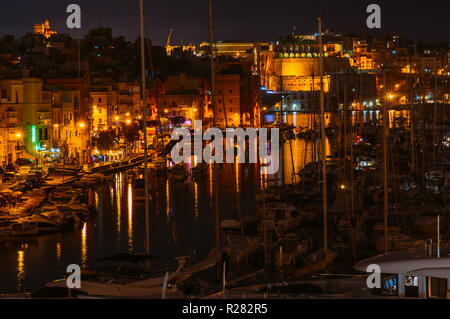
(97, 213)
(307, 166)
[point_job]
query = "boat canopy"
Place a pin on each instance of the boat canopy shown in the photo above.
(410, 261)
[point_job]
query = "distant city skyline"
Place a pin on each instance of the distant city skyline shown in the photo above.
(234, 20)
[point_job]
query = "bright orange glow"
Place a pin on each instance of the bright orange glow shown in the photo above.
(83, 246)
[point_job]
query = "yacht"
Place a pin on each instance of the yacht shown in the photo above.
(413, 273)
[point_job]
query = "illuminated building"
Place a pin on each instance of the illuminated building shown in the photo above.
(181, 95)
(233, 49)
(44, 29)
(27, 118)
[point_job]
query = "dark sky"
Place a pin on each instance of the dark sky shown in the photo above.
(234, 19)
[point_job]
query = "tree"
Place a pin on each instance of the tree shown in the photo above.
(131, 133)
(104, 140)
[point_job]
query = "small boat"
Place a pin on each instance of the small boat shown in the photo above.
(149, 287)
(43, 224)
(22, 229)
(93, 178)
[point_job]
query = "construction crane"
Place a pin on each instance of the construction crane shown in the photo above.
(168, 46)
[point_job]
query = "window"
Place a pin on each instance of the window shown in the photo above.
(231, 91)
(99, 100)
(231, 101)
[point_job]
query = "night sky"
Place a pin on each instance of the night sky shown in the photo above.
(234, 19)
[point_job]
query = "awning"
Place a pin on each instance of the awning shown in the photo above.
(28, 156)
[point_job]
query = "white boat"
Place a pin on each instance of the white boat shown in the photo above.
(145, 288)
(412, 273)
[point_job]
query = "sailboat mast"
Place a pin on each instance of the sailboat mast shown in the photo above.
(385, 164)
(144, 116)
(412, 110)
(258, 59)
(216, 198)
(322, 134)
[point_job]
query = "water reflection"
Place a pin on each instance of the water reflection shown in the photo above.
(96, 200)
(196, 208)
(58, 252)
(167, 201)
(20, 268)
(84, 248)
(236, 173)
(181, 216)
(118, 202)
(130, 218)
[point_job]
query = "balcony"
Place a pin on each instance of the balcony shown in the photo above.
(44, 118)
